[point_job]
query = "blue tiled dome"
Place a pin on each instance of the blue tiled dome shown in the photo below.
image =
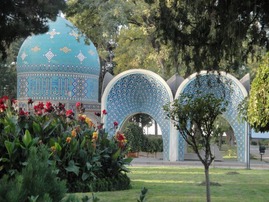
(58, 65)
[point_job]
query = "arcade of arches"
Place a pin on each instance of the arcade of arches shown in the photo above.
(142, 91)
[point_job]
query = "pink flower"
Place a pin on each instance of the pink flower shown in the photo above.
(115, 123)
(104, 112)
(78, 104)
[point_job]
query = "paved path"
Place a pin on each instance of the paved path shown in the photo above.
(256, 163)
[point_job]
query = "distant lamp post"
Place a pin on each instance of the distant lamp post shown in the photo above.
(109, 65)
(262, 150)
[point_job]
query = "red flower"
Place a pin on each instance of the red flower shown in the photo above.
(61, 106)
(39, 112)
(48, 105)
(69, 113)
(100, 126)
(120, 137)
(115, 123)
(2, 107)
(81, 117)
(13, 101)
(97, 114)
(23, 113)
(49, 108)
(30, 101)
(41, 105)
(104, 112)
(5, 98)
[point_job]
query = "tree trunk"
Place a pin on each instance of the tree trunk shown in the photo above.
(156, 127)
(207, 182)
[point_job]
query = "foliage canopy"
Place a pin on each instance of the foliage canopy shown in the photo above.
(19, 19)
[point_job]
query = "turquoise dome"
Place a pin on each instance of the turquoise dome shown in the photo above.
(58, 65)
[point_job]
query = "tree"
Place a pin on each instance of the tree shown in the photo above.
(214, 35)
(19, 19)
(193, 116)
(131, 24)
(221, 126)
(142, 120)
(257, 106)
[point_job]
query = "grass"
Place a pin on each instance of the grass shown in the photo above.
(177, 184)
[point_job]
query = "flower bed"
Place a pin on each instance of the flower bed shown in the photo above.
(83, 154)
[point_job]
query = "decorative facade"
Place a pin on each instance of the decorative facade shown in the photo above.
(142, 91)
(59, 66)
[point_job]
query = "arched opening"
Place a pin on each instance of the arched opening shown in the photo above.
(138, 91)
(144, 139)
(223, 143)
(225, 86)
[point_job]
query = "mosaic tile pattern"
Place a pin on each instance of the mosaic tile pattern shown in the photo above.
(58, 65)
(138, 93)
(225, 87)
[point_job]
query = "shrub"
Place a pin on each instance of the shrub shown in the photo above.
(38, 181)
(135, 136)
(81, 151)
(152, 144)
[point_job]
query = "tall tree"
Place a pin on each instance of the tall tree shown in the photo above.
(257, 106)
(19, 19)
(193, 116)
(214, 35)
(131, 24)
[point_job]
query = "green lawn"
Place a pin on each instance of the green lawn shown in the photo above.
(173, 184)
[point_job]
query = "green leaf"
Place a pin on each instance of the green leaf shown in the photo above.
(27, 139)
(89, 165)
(72, 167)
(127, 160)
(4, 160)
(85, 176)
(57, 146)
(37, 128)
(116, 154)
(9, 147)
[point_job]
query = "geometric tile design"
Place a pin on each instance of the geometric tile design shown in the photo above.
(58, 65)
(221, 86)
(57, 86)
(138, 93)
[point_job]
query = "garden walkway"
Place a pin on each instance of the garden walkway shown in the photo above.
(255, 162)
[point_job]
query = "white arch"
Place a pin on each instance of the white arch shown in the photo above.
(134, 71)
(225, 74)
(146, 73)
(244, 93)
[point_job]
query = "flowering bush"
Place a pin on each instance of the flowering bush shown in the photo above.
(82, 152)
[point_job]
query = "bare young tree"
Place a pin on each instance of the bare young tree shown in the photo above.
(193, 116)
